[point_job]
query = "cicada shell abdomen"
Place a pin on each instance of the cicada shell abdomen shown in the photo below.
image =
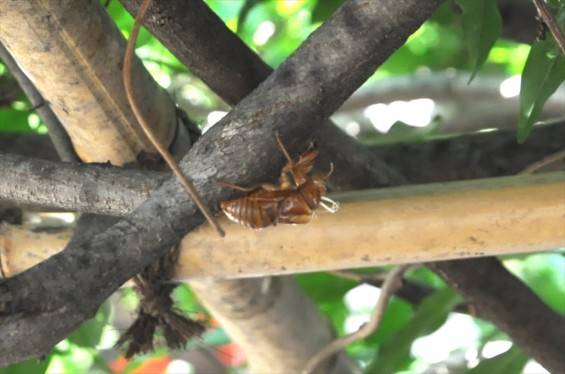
(293, 201)
(257, 211)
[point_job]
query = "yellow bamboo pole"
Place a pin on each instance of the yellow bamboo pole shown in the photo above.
(73, 52)
(487, 217)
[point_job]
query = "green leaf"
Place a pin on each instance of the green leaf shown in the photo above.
(244, 12)
(424, 275)
(26, 367)
(394, 354)
(511, 361)
(185, 299)
(544, 273)
(398, 314)
(215, 337)
(88, 334)
(482, 25)
(542, 75)
(324, 287)
(324, 9)
(327, 291)
(12, 120)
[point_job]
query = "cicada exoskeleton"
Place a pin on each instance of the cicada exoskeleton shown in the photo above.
(293, 201)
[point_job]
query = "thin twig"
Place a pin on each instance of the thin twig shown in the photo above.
(127, 76)
(559, 156)
(57, 133)
(549, 20)
(389, 286)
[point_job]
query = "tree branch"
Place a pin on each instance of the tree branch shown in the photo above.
(104, 189)
(529, 322)
(88, 188)
(212, 52)
(294, 100)
(549, 20)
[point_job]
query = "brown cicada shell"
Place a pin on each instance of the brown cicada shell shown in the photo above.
(294, 200)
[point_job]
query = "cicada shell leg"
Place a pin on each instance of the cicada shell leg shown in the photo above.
(329, 205)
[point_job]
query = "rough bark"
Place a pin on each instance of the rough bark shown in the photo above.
(474, 156)
(294, 100)
(104, 189)
(88, 188)
(212, 52)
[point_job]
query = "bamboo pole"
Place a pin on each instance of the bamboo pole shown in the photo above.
(73, 52)
(434, 222)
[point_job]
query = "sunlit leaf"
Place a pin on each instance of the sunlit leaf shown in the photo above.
(311, 284)
(482, 25)
(511, 361)
(394, 353)
(185, 299)
(542, 75)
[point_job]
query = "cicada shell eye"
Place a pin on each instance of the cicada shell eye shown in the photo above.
(329, 205)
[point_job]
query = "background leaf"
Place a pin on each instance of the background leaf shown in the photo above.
(511, 361)
(248, 5)
(482, 25)
(89, 333)
(27, 367)
(542, 75)
(324, 9)
(394, 354)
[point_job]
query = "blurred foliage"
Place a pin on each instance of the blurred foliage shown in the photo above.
(511, 361)
(543, 74)
(394, 354)
(465, 39)
(482, 25)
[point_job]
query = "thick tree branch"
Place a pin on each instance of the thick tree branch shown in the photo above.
(104, 189)
(531, 324)
(473, 156)
(294, 100)
(200, 40)
(88, 188)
